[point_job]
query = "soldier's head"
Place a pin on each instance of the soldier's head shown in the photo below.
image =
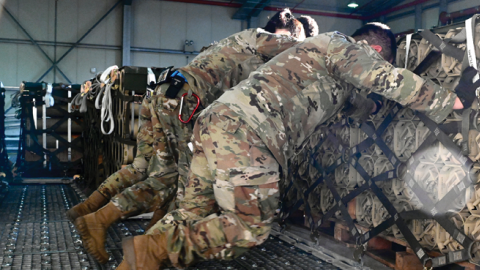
(281, 23)
(379, 37)
(309, 25)
(299, 32)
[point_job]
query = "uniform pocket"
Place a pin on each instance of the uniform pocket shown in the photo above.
(256, 192)
(253, 176)
(228, 124)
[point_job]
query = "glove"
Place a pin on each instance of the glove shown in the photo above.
(378, 101)
(466, 88)
(358, 107)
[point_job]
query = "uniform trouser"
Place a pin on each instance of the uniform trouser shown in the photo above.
(231, 193)
(137, 171)
(169, 162)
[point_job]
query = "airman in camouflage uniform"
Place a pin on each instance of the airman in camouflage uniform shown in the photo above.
(243, 141)
(212, 72)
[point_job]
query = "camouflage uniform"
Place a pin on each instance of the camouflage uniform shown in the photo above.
(283, 102)
(218, 68)
(137, 171)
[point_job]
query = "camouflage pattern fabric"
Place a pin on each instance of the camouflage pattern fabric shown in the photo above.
(283, 103)
(231, 61)
(285, 100)
(215, 70)
(137, 171)
(169, 162)
(232, 174)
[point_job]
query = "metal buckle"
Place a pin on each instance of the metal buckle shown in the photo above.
(194, 110)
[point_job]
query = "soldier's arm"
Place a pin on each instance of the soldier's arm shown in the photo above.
(269, 45)
(364, 68)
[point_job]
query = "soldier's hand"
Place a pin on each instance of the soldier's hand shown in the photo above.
(358, 108)
(466, 88)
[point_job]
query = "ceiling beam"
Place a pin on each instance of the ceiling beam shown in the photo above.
(316, 7)
(397, 8)
(270, 8)
(326, 11)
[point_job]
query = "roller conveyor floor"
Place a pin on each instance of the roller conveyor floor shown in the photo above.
(35, 234)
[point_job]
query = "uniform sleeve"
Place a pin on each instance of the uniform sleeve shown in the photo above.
(269, 45)
(363, 67)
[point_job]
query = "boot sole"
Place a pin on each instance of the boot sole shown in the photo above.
(129, 253)
(88, 242)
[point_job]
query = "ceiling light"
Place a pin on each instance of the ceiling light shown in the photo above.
(352, 5)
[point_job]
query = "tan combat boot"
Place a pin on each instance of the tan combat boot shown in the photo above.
(92, 204)
(93, 229)
(145, 252)
(123, 266)
(157, 215)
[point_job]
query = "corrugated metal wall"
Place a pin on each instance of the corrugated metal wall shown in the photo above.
(156, 24)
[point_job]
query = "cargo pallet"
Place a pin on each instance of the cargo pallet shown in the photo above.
(392, 252)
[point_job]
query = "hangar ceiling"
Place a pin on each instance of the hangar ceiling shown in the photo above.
(251, 8)
(367, 10)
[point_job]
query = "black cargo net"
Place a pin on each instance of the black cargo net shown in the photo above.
(50, 145)
(401, 173)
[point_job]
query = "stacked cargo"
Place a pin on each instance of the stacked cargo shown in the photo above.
(50, 138)
(111, 105)
(399, 174)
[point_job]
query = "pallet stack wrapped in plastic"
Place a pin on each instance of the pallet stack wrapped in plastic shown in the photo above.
(111, 105)
(50, 137)
(399, 174)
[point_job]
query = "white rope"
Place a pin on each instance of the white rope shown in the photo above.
(98, 106)
(106, 114)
